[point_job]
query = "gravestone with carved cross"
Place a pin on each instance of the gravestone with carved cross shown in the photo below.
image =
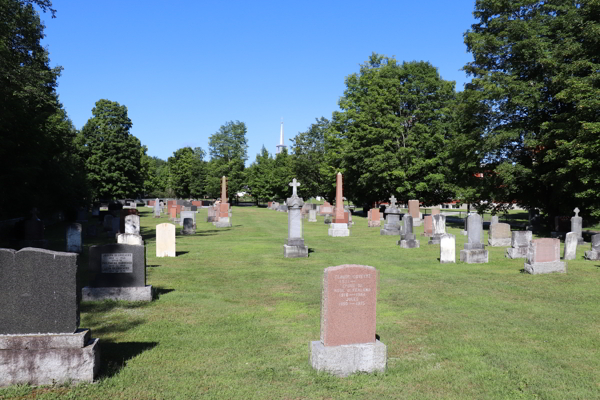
(577, 226)
(393, 225)
(294, 247)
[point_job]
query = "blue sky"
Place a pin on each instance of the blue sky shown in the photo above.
(184, 68)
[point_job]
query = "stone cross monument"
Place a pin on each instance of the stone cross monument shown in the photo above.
(294, 247)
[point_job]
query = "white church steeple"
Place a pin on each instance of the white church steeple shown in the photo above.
(281, 146)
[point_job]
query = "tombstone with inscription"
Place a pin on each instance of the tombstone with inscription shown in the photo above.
(392, 220)
(189, 228)
(74, 241)
(519, 244)
(494, 220)
(474, 251)
(576, 226)
(374, 219)
(165, 240)
(294, 246)
(438, 222)
(40, 343)
(117, 272)
(188, 214)
(499, 235)
(348, 320)
(413, 210)
(543, 257)
(408, 239)
(312, 215)
(594, 253)
(570, 252)
(447, 248)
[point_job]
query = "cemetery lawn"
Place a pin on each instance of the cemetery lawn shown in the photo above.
(233, 319)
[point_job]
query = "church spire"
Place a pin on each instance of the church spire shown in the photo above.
(281, 146)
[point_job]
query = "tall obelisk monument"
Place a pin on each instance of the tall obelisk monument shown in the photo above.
(280, 146)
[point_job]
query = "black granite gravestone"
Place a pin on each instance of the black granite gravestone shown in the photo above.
(117, 265)
(38, 291)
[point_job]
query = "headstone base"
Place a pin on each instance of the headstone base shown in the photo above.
(130, 238)
(345, 360)
(417, 222)
(188, 231)
(46, 359)
(210, 219)
(545, 267)
(312, 219)
(592, 255)
(478, 256)
(518, 252)
(338, 230)
(295, 251)
(223, 222)
(409, 244)
(373, 224)
(435, 239)
(143, 293)
(390, 230)
(506, 242)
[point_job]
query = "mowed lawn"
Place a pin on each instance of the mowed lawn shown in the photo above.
(233, 319)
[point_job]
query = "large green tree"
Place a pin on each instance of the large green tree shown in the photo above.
(113, 156)
(309, 161)
(392, 134)
(39, 162)
(187, 172)
(259, 176)
(228, 149)
(536, 89)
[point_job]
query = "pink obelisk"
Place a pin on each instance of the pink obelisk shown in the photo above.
(339, 201)
(224, 190)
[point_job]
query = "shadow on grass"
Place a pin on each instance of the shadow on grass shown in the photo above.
(180, 253)
(97, 313)
(311, 250)
(159, 291)
(152, 266)
(114, 356)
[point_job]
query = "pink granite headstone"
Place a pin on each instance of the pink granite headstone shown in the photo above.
(413, 208)
(375, 215)
(339, 217)
(544, 250)
(428, 225)
(348, 305)
(173, 211)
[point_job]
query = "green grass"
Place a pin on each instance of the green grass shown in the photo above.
(233, 319)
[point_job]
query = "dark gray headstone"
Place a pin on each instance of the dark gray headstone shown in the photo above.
(117, 265)
(189, 228)
(38, 292)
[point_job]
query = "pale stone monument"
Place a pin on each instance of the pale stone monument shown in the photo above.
(392, 221)
(543, 257)
(312, 215)
(165, 240)
(223, 217)
(294, 246)
(130, 238)
(594, 253)
(413, 210)
(570, 252)
(447, 248)
(408, 239)
(338, 227)
(474, 251)
(348, 317)
(499, 235)
(439, 228)
(519, 244)
(156, 208)
(74, 241)
(577, 225)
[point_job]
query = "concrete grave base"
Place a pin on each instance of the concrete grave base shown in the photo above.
(519, 252)
(435, 239)
(295, 251)
(390, 231)
(417, 222)
(592, 255)
(46, 359)
(223, 222)
(338, 230)
(474, 256)
(373, 224)
(545, 267)
(347, 359)
(409, 244)
(143, 293)
(499, 242)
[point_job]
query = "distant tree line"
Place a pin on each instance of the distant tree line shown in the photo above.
(526, 129)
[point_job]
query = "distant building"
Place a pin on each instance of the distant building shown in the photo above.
(281, 146)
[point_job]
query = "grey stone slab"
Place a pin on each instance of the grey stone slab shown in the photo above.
(518, 252)
(312, 215)
(570, 250)
(189, 227)
(345, 360)
(78, 339)
(338, 230)
(132, 224)
(143, 293)
(50, 366)
(130, 238)
(117, 265)
(499, 242)
(520, 238)
(545, 267)
(187, 214)
(592, 255)
(38, 291)
(295, 251)
(409, 243)
(474, 256)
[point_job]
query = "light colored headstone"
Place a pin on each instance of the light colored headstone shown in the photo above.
(494, 220)
(577, 226)
(312, 215)
(543, 256)
(570, 252)
(519, 244)
(130, 238)
(474, 251)
(447, 248)
(132, 224)
(499, 235)
(594, 253)
(74, 242)
(165, 240)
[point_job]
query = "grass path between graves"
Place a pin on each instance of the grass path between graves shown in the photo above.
(233, 320)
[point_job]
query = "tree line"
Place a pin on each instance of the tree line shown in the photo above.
(525, 129)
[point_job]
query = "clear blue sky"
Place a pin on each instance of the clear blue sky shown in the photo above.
(184, 68)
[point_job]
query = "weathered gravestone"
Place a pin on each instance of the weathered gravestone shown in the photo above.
(326, 209)
(447, 248)
(124, 214)
(519, 244)
(499, 235)
(348, 319)
(413, 210)
(294, 246)
(408, 239)
(494, 220)
(189, 228)
(577, 225)
(427, 226)
(156, 208)
(339, 226)
(130, 238)
(570, 252)
(223, 219)
(392, 220)
(74, 241)
(117, 272)
(165, 240)
(211, 214)
(132, 224)
(594, 253)
(543, 257)
(188, 214)
(374, 218)
(40, 342)
(474, 251)
(439, 228)
(312, 215)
